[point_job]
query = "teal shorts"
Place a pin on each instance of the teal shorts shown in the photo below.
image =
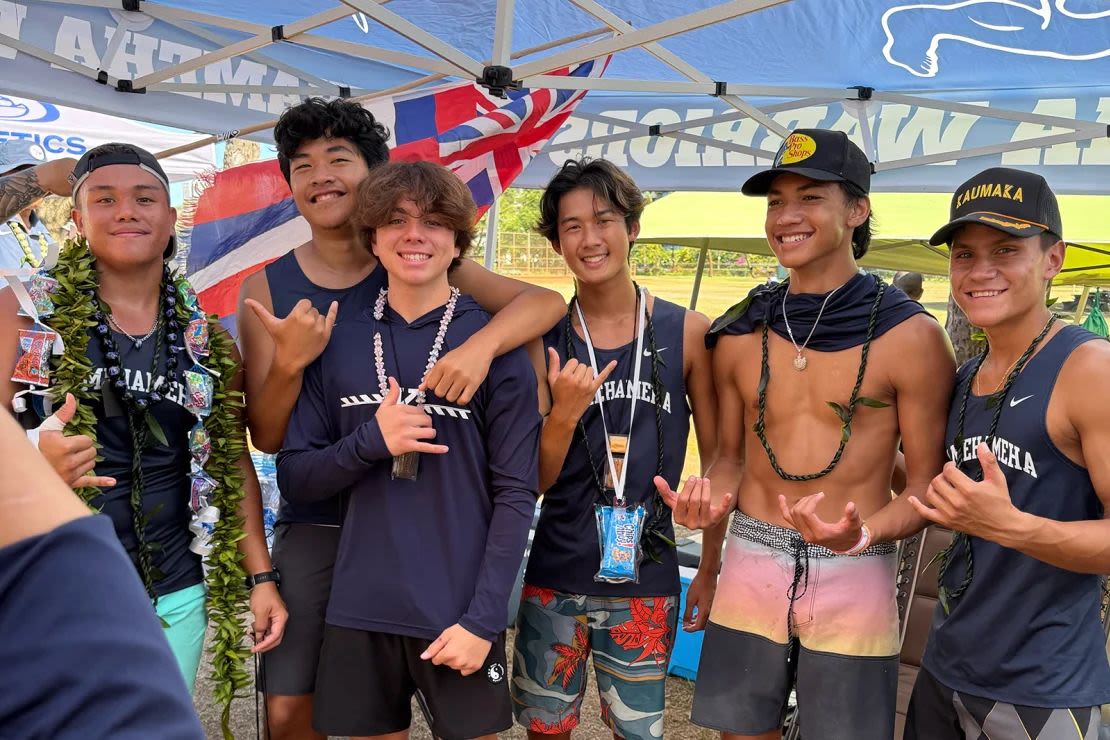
(184, 612)
(631, 641)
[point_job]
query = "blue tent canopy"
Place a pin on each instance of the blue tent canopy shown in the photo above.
(697, 95)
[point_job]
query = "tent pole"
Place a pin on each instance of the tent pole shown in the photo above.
(1082, 305)
(697, 276)
(491, 234)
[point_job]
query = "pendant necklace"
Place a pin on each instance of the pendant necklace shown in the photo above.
(800, 361)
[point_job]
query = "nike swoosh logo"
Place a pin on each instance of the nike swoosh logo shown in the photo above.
(659, 351)
(1016, 401)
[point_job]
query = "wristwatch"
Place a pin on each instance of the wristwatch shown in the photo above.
(268, 576)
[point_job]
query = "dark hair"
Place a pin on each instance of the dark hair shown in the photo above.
(317, 118)
(434, 189)
(604, 178)
(861, 235)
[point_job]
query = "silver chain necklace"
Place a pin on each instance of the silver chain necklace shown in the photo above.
(800, 360)
(137, 341)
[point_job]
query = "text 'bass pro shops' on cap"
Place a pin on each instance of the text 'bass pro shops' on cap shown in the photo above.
(1012, 201)
(819, 154)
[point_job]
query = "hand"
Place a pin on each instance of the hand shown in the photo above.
(72, 457)
(404, 427)
(839, 536)
(573, 387)
(699, 596)
(54, 176)
(456, 376)
(979, 508)
(694, 508)
(270, 617)
(458, 648)
(301, 336)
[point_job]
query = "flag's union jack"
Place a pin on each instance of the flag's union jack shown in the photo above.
(246, 218)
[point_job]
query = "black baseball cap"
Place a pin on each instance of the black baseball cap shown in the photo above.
(1012, 201)
(818, 154)
(117, 153)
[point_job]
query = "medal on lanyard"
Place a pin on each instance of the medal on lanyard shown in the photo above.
(619, 527)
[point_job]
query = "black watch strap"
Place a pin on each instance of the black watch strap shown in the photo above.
(267, 577)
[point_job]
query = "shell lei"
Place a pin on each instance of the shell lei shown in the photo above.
(227, 593)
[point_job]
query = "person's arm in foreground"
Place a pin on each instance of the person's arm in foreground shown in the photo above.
(513, 426)
(520, 312)
(267, 607)
(104, 670)
(984, 509)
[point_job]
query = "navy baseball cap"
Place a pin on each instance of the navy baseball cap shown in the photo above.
(1012, 201)
(819, 154)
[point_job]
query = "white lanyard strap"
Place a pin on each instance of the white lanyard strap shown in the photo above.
(637, 361)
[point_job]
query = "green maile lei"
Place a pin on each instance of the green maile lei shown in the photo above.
(227, 592)
(845, 412)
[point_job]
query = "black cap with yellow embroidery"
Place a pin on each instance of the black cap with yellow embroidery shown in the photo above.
(1013, 201)
(819, 154)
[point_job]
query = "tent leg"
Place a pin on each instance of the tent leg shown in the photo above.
(1082, 305)
(697, 277)
(491, 235)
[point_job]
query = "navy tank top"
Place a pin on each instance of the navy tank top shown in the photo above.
(288, 285)
(1025, 632)
(165, 497)
(565, 553)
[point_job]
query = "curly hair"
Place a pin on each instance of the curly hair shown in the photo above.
(604, 178)
(432, 187)
(317, 118)
(861, 235)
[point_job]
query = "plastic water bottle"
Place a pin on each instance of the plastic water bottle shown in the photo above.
(266, 468)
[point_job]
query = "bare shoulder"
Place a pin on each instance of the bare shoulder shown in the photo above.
(695, 321)
(256, 286)
(919, 329)
(1083, 377)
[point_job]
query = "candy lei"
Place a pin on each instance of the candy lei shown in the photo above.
(433, 354)
(216, 442)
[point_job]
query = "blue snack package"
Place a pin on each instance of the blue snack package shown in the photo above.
(619, 530)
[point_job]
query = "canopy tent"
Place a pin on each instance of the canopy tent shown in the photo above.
(904, 223)
(704, 88)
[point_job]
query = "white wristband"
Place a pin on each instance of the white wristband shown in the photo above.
(863, 543)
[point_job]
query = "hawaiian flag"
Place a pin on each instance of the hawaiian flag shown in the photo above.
(245, 216)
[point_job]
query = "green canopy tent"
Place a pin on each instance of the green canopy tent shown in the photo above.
(904, 222)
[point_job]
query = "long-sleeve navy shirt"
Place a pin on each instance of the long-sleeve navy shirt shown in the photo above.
(416, 557)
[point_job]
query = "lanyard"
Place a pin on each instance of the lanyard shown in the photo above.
(641, 314)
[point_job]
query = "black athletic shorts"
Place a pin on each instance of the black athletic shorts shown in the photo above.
(304, 554)
(937, 712)
(367, 680)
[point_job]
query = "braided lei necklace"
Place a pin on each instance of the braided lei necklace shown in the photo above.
(54, 357)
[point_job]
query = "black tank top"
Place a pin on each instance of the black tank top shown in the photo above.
(165, 468)
(288, 285)
(1024, 632)
(565, 554)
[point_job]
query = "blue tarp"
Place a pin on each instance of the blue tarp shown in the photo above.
(1050, 57)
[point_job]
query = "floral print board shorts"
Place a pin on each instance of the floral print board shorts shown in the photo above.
(631, 640)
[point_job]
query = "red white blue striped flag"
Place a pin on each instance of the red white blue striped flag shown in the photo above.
(246, 218)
